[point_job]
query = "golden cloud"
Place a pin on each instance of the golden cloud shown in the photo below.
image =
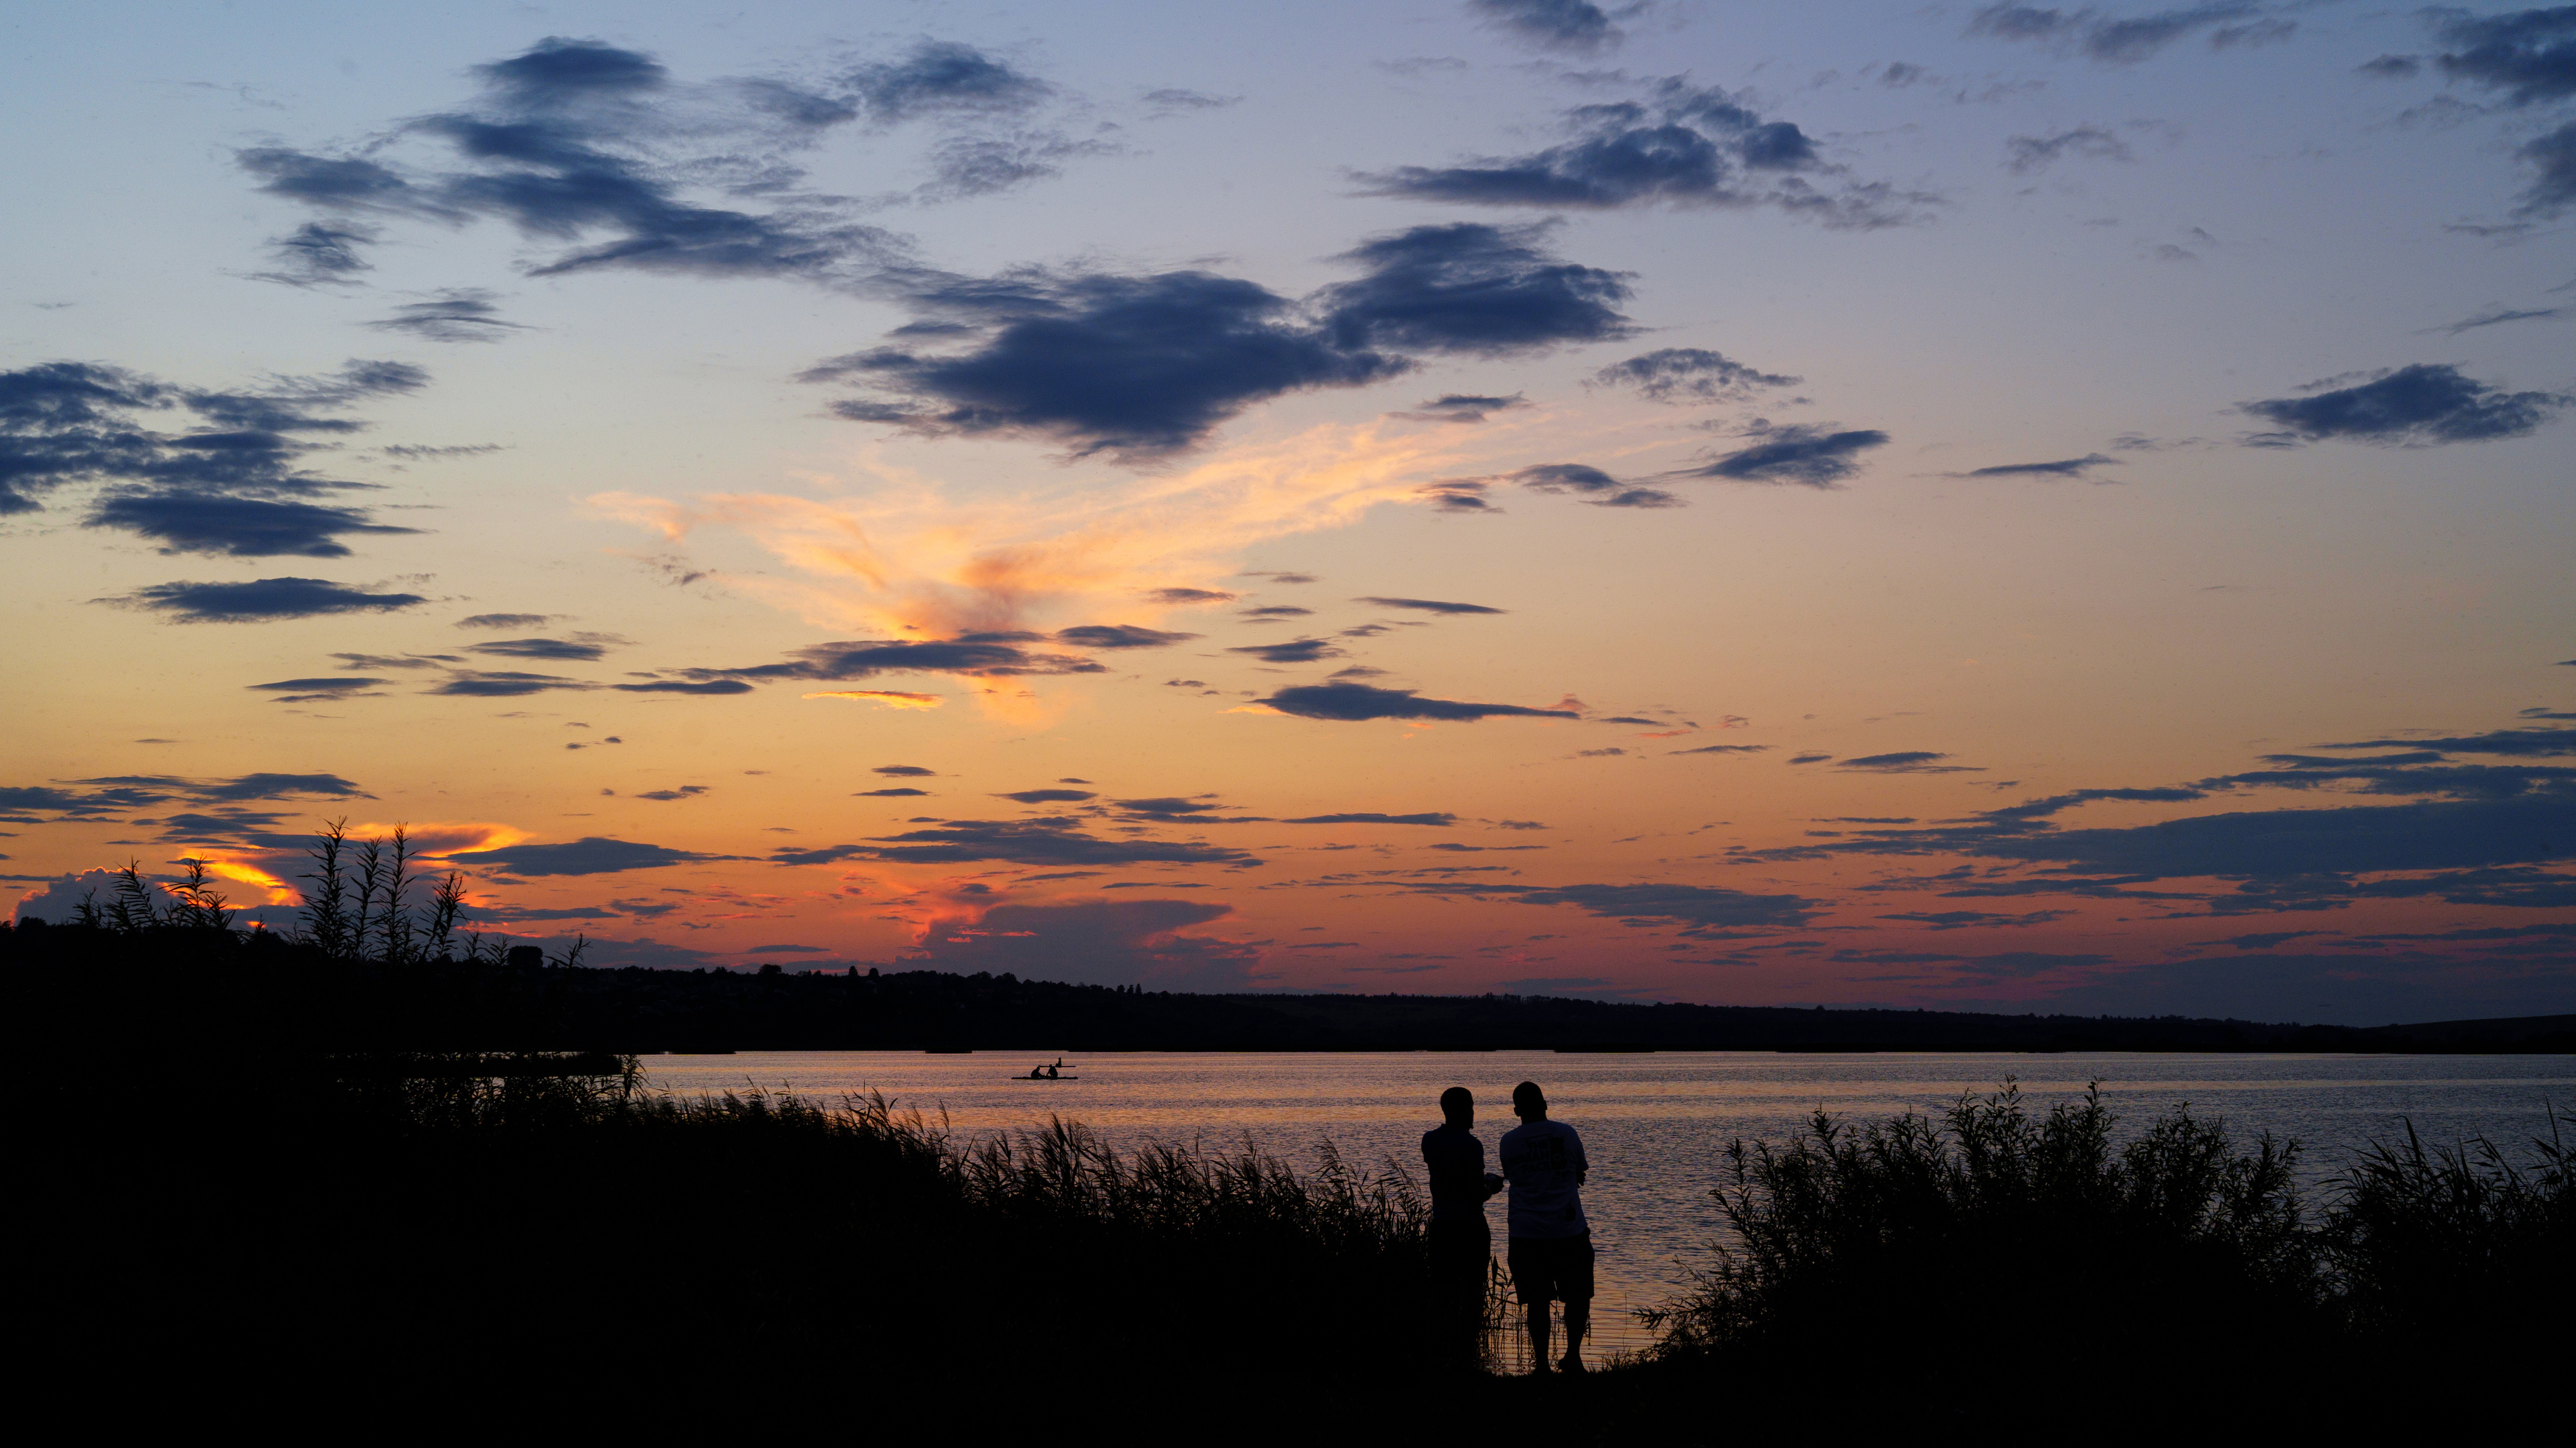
(911, 557)
(891, 698)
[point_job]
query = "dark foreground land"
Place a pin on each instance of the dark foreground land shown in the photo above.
(301, 1188)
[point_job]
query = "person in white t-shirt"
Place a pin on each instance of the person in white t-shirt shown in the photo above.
(1550, 1247)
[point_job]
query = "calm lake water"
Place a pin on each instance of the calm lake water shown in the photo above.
(1653, 1125)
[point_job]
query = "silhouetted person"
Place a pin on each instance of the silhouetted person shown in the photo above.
(1461, 1244)
(1550, 1251)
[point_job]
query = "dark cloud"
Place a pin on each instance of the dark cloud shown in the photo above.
(1181, 597)
(260, 600)
(2530, 55)
(674, 686)
(1678, 145)
(1571, 25)
(2026, 154)
(1299, 651)
(413, 452)
(1809, 758)
(665, 796)
(1168, 804)
(866, 658)
(1119, 636)
(1909, 761)
(1095, 942)
(2483, 845)
(904, 771)
(2555, 188)
(889, 793)
(1352, 702)
(2533, 743)
(594, 149)
(1272, 611)
(1049, 796)
(1975, 919)
(2416, 406)
(1473, 288)
(1461, 407)
(503, 684)
(2391, 67)
(2055, 804)
(1592, 485)
(963, 166)
(942, 77)
(1173, 98)
(62, 421)
(456, 314)
(590, 855)
(556, 71)
(1428, 605)
(506, 620)
(1458, 495)
(319, 254)
(1689, 374)
(1043, 841)
(1798, 454)
(2126, 40)
(304, 691)
(1699, 908)
(133, 791)
(2519, 888)
(2063, 468)
(2500, 315)
(1720, 749)
(234, 527)
(1133, 367)
(1437, 820)
(231, 485)
(580, 648)
(397, 661)
(2341, 841)
(2407, 774)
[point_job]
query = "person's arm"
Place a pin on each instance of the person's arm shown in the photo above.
(1582, 1168)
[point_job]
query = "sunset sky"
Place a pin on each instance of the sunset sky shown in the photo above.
(2008, 507)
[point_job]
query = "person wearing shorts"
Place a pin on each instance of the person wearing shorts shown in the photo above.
(1550, 1246)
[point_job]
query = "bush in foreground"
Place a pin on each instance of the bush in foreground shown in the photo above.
(2092, 1264)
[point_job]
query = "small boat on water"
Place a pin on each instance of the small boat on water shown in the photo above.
(1047, 1073)
(1043, 1078)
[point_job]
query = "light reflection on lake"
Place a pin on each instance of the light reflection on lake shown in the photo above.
(1652, 1124)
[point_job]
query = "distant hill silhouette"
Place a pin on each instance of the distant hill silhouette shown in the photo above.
(646, 1010)
(252, 985)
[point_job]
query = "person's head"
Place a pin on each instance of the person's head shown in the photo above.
(1528, 1102)
(1458, 1105)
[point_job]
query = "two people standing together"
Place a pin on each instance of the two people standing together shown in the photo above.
(1549, 1247)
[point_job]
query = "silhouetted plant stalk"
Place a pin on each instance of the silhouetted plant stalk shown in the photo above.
(136, 904)
(2426, 1239)
(359, 907)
